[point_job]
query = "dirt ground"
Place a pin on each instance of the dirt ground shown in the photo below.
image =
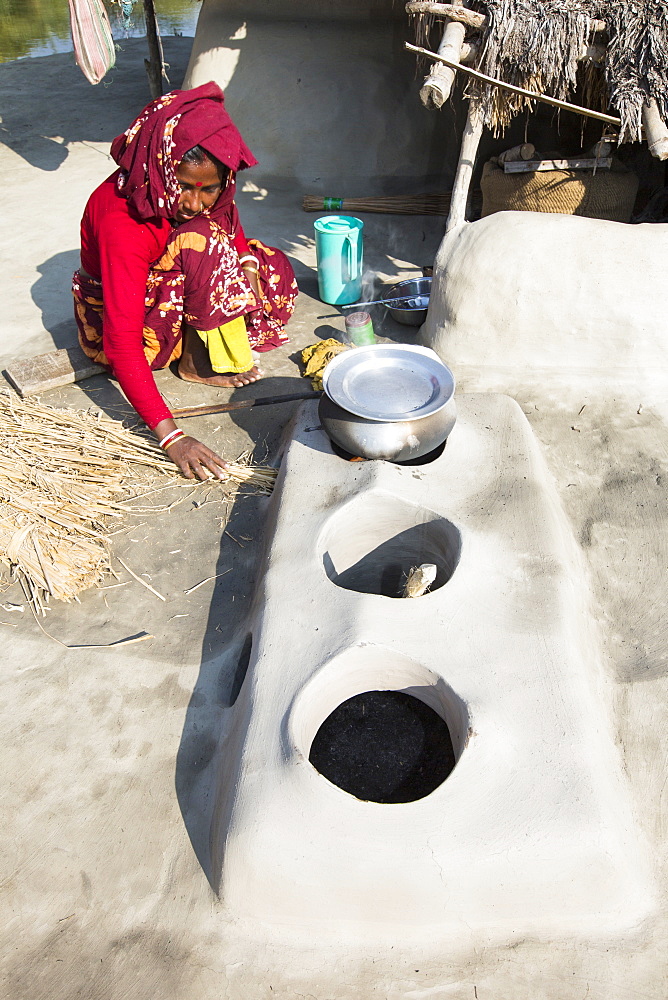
(109, 754)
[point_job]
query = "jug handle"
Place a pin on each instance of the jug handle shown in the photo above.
(352, 258)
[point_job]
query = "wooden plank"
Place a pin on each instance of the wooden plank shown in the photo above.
(48, 371)
(571, 163)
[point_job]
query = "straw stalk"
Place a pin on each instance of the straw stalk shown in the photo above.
(65, 476)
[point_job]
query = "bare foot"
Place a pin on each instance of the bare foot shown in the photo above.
(195, 366)
(231, 381)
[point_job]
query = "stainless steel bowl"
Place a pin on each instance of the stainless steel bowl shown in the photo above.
(396, 441)
(411, 313)
(388, 381)
(388, 401)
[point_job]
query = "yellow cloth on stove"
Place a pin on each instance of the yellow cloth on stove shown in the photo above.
(228, 347)
(317, 357)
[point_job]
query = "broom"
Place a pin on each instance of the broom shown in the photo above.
(395, 204)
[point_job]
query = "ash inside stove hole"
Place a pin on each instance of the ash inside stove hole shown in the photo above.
(384, 746)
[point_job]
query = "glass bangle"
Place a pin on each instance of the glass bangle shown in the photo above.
(174, 440)
(169, 436)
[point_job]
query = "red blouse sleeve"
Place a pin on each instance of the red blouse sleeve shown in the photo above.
(126, 250)
(240, 243)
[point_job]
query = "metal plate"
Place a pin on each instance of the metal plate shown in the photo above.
(389, 382)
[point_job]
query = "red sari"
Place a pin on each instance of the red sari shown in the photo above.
(153, 276)
(198, 279)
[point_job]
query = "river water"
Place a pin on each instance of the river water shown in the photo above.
(42, 27)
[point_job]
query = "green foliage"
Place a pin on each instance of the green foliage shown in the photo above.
(27, 24)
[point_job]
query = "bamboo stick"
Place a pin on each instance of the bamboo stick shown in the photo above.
(532, 95)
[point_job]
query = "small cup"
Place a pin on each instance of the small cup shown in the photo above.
(359, 329)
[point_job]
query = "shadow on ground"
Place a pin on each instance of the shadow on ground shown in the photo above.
(222, 672)
(55, 274)
(72, 110)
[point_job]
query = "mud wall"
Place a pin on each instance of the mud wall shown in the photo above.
(332, 104)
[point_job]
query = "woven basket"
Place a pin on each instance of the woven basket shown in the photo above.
(607, 194)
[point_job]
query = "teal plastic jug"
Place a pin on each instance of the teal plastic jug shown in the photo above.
(338, 247)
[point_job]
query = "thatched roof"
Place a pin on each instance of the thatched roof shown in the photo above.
(538, 44)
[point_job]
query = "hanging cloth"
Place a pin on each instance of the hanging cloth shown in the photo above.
(94, 48)
(126, 12)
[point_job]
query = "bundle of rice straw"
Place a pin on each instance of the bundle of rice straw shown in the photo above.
(63, 475)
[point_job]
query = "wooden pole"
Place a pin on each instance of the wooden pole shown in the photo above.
(155, 64)
(466, 16)
(438, 85)
(467, 155)
(453, 11)
(516, 90)
(656, 131)
(470, 52)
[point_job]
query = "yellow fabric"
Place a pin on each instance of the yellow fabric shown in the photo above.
(317, 357)
(228, 347)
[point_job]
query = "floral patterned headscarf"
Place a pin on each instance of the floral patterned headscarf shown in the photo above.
(152, 148)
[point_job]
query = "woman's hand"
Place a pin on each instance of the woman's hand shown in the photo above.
(195, 460)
